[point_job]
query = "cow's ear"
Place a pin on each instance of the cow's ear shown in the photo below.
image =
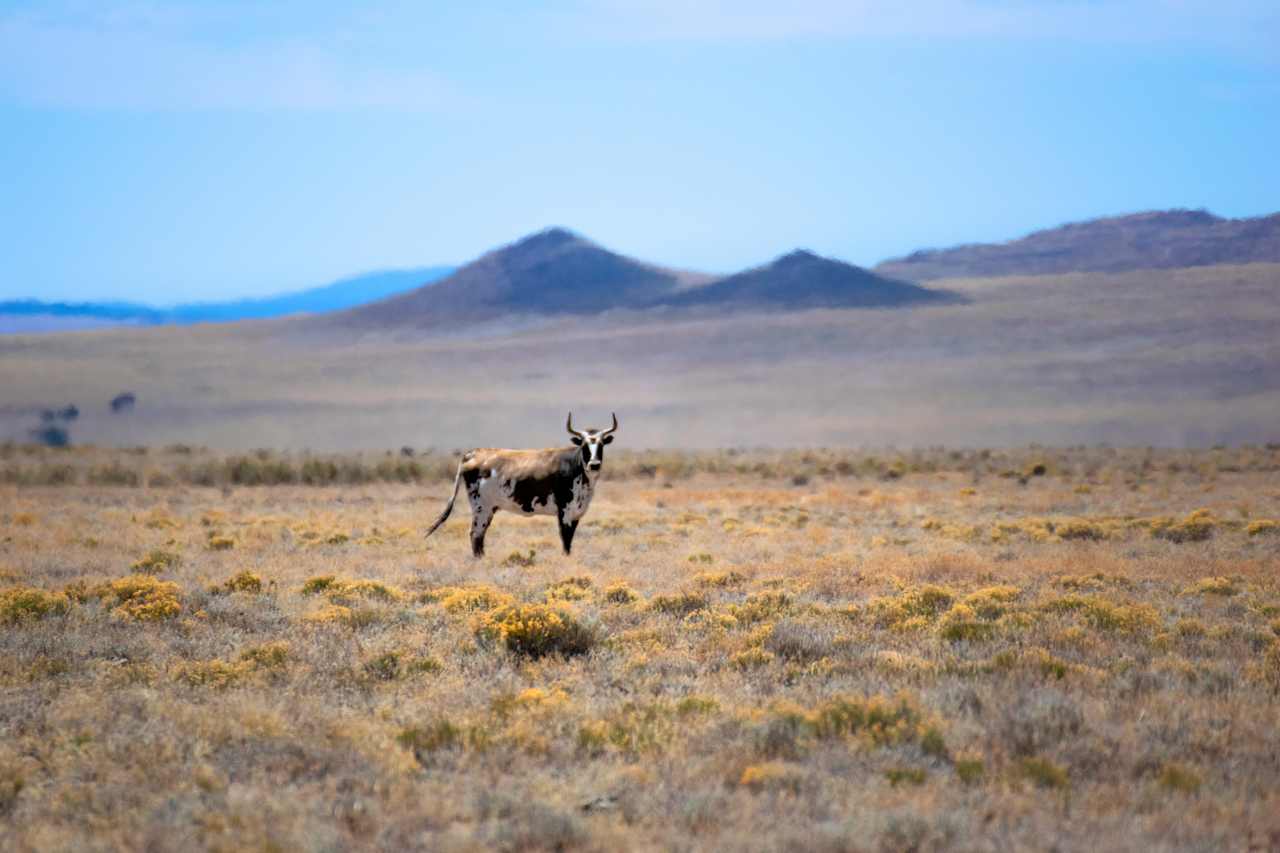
(576, 439)
(608, 439)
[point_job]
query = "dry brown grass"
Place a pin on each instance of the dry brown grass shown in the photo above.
(910, 651)
(1168, 357)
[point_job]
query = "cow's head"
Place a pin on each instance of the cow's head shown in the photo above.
(592, 442)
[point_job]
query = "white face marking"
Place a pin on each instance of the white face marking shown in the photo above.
(593, 445)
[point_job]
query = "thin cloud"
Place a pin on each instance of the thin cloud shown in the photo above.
(149, 58)
(1250, 27)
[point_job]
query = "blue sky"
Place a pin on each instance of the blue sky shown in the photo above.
(181, 151)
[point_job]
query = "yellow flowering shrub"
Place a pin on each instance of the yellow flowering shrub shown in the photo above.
(535, 630)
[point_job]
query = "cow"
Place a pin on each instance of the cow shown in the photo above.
(556, 481)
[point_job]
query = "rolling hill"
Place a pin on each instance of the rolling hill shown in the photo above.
(801, 280)
(1165, 239)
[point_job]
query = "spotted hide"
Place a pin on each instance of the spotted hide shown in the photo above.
(557, 481)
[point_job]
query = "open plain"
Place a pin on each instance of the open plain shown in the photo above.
(821, 650)
(1175, 358)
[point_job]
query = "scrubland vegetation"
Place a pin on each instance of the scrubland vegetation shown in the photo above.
(823, 650)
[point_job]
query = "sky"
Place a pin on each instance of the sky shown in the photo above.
(187, 151)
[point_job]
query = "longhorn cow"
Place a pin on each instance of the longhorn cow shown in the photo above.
(556, 481)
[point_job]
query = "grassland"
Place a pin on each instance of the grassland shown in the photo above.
(1034, 649)
(1170, 357)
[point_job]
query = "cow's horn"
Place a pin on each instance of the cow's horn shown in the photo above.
(569, 426)
(611, 429)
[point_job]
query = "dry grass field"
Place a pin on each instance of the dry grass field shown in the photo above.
(1070, 650)
(1177, 358)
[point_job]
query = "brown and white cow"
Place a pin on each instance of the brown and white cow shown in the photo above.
(557, 481)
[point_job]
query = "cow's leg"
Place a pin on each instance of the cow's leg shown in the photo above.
(567, 529)
(480, 519)
(481, 515)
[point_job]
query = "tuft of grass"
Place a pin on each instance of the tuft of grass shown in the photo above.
(218, 674)
(693, 705)
(1197, 527)
(515, 558)
(881, 720)
(330, 614)
(467, 599)
(961, 624)
(267, 655)
(569, 589)
(1043, 772)
(620, 592)
(25, 603)
(760, 607)
(156, 562)
(1212, 586)
(680, 603)
(772, 776)
(376, 590)
(245, 581)
(220, 543)
(1263, 527)
(344, 592)
(318, 584)
(535, 630)
(423, 666)
(800, 641)
(1080, 529)
(752, 658)
(1191, 629)
(992, 602)
(1107, 615)
(435, 736)
(1175, 777)
(384, 667)
(905, 776)
(719, 579)
(911, 607)
(970, 770)
(142, 598)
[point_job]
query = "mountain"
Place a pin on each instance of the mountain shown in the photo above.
(802, 279)
(107, 312)
(33, 315)
(344, 293)
(552, 272)
(1153, 240)
(557, 272)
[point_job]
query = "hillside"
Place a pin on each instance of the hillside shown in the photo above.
(33, 315)
(552, 272)
(557, 273)
(1153, 240)
(802, 280)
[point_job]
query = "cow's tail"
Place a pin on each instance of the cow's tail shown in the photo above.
(448, 508)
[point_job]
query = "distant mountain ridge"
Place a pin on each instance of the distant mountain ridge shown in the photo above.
(556, 272)
(344, 293)
(559, 273)
(1165, 239)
